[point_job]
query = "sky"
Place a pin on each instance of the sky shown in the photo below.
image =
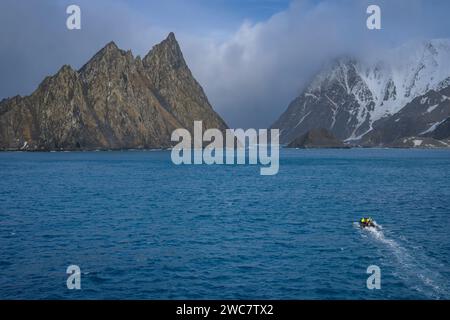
(252, 57)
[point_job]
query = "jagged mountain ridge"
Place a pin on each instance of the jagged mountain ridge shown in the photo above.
(349, 96)
(115, 101)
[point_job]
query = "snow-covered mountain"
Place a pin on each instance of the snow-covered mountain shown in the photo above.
(348, 96)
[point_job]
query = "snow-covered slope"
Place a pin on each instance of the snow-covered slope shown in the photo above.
(349, 95)
(405, 73)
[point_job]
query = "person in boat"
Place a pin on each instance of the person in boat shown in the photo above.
(366, 222)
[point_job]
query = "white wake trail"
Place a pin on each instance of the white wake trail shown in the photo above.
(417, 270)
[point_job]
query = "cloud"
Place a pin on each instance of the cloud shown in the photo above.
(252, 76)
(35, 41)
(250, 69)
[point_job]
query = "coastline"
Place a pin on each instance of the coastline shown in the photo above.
(170, 149)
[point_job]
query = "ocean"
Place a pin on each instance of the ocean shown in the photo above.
(140, 227)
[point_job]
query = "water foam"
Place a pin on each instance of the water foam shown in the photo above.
(416, 270)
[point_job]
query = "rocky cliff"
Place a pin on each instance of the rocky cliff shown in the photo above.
(115, 101)
(421, 117)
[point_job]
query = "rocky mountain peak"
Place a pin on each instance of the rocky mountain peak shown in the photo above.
(350, 95)
(171, 37)
(111, 50)
(109, 55)
(64, 75)
(111, 46)
(113, 102)
(168, 53)
(66, 71)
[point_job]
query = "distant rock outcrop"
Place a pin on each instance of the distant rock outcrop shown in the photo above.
(115, 101)
(317, 138)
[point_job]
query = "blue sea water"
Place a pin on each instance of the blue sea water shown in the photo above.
(140, 227)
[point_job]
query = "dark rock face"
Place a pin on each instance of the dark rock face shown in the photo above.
(421, 117)
(442, 131)
(115, 101)
(317, 138)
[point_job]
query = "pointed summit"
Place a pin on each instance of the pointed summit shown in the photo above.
(168, 52)
(111, 46)
(171, 42)
(109, 54)
(65, 74)
(110, 49)
(171, 37)
(66, 69)
(113, 102)
(179, 92)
